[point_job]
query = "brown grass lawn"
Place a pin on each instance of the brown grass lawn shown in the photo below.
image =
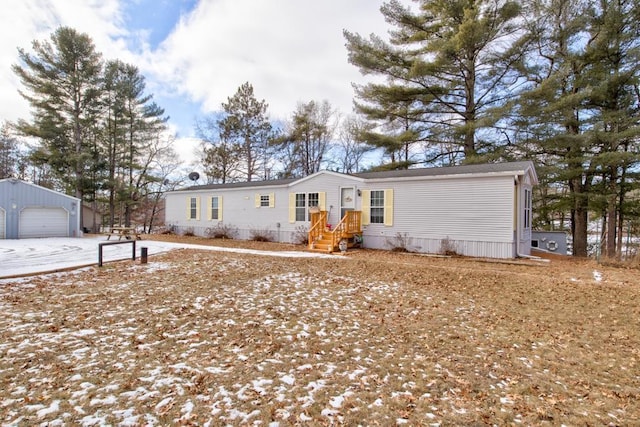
(370, 338)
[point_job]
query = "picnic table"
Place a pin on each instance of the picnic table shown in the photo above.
(126, 232)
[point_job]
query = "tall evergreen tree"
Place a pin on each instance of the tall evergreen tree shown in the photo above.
(582, 109)
(246, 124)
(61, 82)
(614, 75)
(449, 69)
(132, 122)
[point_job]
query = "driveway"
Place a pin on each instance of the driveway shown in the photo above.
(37, 256)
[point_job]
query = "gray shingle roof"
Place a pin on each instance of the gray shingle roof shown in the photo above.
(449, 170)
(240, 184)
(405, 173)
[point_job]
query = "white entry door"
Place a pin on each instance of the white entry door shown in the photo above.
(43, 222)
(347, 200)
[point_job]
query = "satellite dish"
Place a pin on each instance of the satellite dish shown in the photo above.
(194, 176)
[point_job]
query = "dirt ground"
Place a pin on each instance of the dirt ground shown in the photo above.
(371, 338)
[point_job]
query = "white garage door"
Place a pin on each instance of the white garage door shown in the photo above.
(3, 224)
(43, 222)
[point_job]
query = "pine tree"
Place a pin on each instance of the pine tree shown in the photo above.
(449, 72)
(61, 82)
(246, 125)
(132, 124)
(581, 112)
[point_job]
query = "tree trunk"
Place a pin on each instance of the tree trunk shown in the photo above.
(580, 232)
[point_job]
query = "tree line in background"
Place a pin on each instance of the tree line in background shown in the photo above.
(453, 82)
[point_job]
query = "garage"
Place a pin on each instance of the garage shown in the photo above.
(43, 222)
(3, 222)
(31, 211)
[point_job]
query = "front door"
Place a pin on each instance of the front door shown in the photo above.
(347, 200)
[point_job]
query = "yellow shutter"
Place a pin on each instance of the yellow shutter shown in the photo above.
(209, 210)
(388, 207)
(366, 207)
(292, 207)
(257, 200)
(272, 200)
(219, 208)
(322, 200)
(197, 208)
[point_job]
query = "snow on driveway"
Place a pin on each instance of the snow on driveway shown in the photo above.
(33, 256)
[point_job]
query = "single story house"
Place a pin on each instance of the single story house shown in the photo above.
(474, 210)
(28, 211)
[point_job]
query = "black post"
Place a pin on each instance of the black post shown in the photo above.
(143, 255)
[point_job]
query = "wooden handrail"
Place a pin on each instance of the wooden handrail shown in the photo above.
(319, 221)
(350, 223)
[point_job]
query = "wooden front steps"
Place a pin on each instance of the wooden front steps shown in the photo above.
(324, 239)
(324, 243)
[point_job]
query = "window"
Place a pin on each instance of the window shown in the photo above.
(527, 209)
(265, 200)
(193, 208)
(215, 208)
(313, 200)
(301, 211)
(377, 207)
(304, 201)
(300, 205)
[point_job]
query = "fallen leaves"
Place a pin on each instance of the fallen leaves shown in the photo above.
(376, 338)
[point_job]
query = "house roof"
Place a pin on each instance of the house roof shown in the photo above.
(519, 168)
(272, 182)
(513, 167)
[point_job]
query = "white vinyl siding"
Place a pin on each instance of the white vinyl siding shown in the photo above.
(43, 222)
(475, 210)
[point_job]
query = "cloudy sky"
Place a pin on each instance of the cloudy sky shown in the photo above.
(196, 53)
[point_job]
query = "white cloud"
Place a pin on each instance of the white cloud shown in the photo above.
(289, 50)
